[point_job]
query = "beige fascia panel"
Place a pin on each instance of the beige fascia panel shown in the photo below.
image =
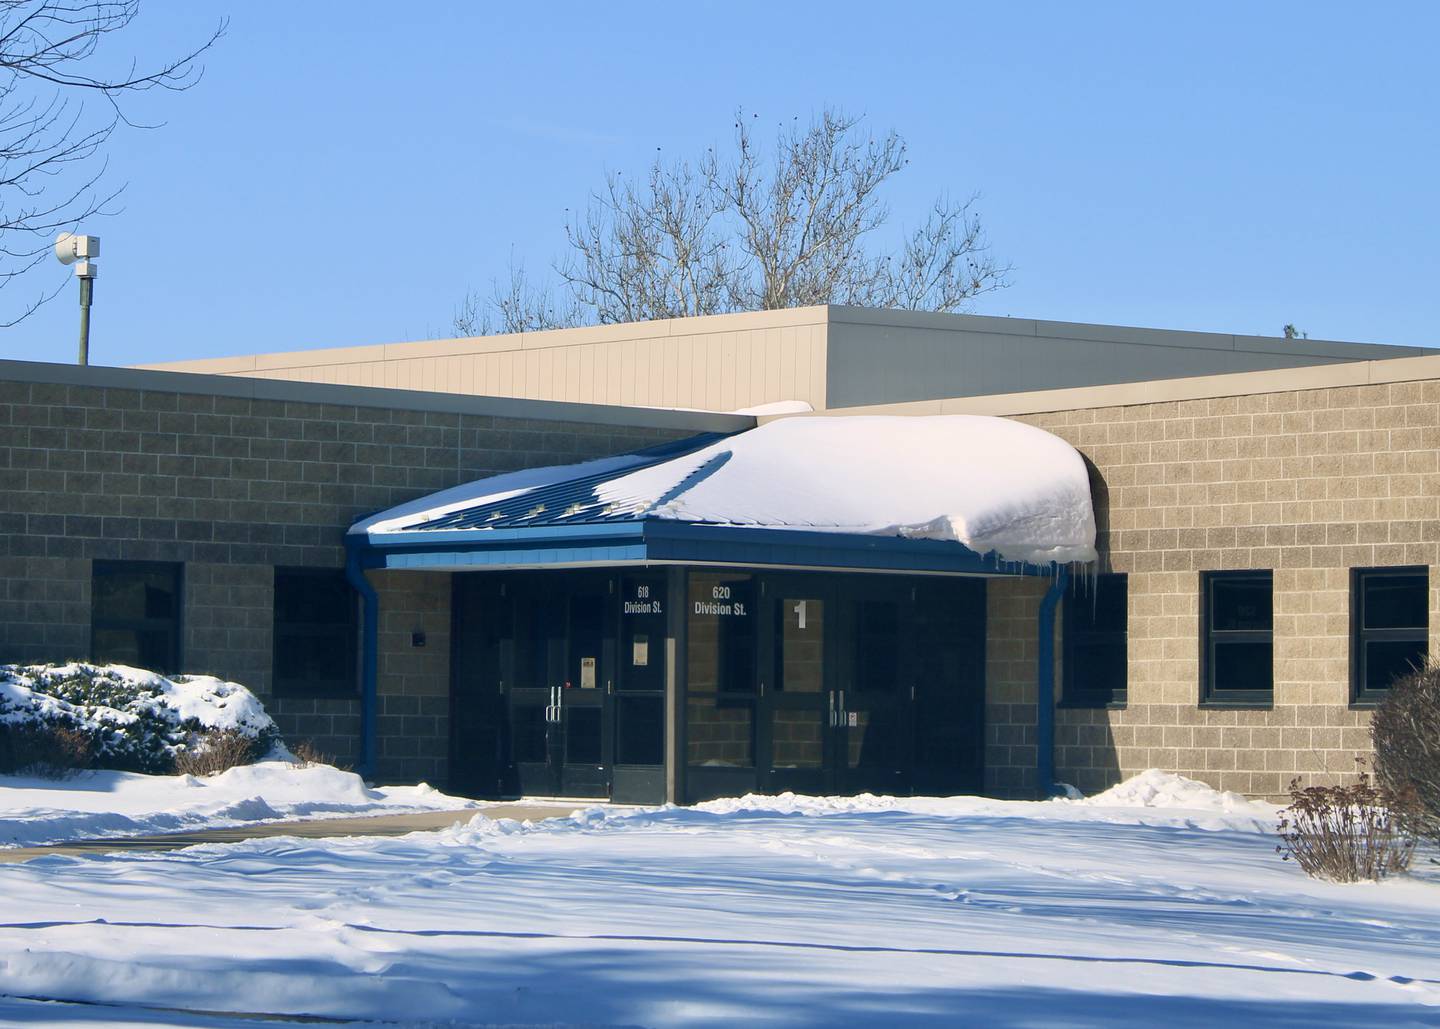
(547, 340)
(206, 365)
(1063, 331)
(1131, 394)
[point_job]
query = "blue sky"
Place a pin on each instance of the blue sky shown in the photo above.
(345, 171)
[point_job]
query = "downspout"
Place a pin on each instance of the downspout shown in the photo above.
(369, 663)
(1045, 686)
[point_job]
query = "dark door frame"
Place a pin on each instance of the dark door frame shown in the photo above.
(788, 711)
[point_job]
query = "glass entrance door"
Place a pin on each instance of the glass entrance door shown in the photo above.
(559, 655)
(800, 713)
(638, 702)
(837, 700)
(875, 705)
(583, 757)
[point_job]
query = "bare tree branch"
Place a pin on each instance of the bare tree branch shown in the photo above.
(515, 306)
(797, 224)
(49, 140)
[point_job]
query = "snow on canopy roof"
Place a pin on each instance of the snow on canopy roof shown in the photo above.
(991, 484)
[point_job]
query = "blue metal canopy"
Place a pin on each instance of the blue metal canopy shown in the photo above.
(563, 521)
(567, 523)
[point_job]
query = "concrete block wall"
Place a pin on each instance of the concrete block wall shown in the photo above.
(1011, 656)
(234, 478)
(44, 601)
(413, 681)
(1309, 483)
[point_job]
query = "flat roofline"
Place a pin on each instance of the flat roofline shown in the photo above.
(662, 328)
(750, 321)
(285, 390)
(1132, 334)
(1157, 391)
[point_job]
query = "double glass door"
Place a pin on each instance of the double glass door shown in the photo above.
(558, 685)
(836, 696)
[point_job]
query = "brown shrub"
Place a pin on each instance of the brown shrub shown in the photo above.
(1406, 734)
(307, 755)
(215, 751)
(45, 749)
(1346, 834)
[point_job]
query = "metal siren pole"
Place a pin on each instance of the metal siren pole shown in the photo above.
(81, 251)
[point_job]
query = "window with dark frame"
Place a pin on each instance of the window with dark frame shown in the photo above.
(1389, 628)
(135, 614)
(1094, 671)
(315, 639)
(1238, 655)
(722, 688)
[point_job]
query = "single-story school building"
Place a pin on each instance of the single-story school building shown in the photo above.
(995, 554)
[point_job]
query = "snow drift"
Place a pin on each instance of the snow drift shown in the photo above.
(101, 804)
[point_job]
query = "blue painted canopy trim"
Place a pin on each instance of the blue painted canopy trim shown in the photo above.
(663, 541)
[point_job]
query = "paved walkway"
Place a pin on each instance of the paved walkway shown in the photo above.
(366, 825)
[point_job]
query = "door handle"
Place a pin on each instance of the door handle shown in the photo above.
(831, 696)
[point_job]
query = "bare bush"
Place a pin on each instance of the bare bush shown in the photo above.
(215, 751)
(45, 749)
(1406, 734)
(1346, 834)
(308, 755)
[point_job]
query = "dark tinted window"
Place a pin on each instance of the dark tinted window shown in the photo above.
(720, 613)
(315, 633)
(582, 735)
(1390, 620)
(1095, 667)
(1241, 604)
(877, 642)
(642, 632)
(1237, 656)
(135, 614)
(527, 733)
(721, 665)
(640, 733)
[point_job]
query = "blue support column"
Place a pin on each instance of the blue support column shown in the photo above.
(1045, 686)
(369, 661)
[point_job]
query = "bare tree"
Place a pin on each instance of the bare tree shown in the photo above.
(796, 224)
(516, 305)
(50, 138)
(651, 251)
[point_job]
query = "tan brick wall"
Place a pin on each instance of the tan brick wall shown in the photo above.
(1308, 483)
(1012, 609)
(232, 486)
(413, 682)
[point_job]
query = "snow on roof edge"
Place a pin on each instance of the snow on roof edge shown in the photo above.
(991, 484)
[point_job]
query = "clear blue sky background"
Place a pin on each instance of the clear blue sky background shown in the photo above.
(346, 170)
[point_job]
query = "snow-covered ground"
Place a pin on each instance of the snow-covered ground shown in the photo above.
(1158, 904)
(91, 805)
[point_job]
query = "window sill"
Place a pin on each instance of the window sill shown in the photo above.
(1237, 705)
(1092, 705)
(314, 695)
